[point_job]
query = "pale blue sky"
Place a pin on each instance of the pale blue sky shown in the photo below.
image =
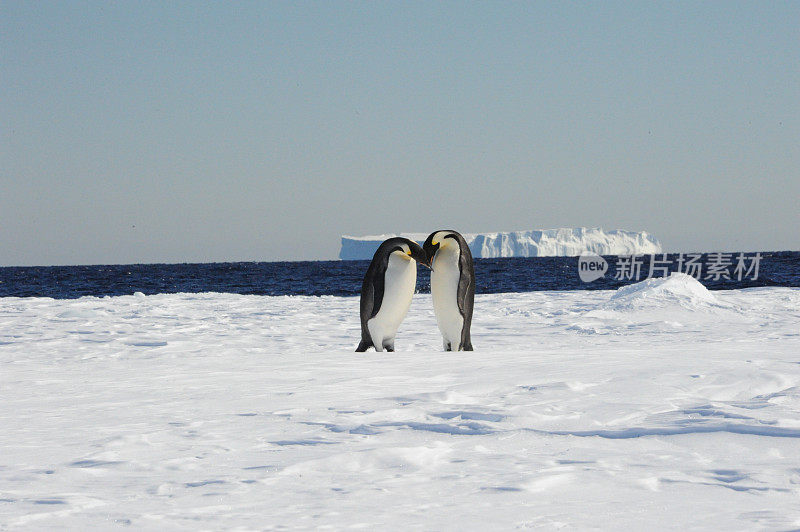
(172, 132)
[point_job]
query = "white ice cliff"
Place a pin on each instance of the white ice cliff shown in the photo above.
(563, 242)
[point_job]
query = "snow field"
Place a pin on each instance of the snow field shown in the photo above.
(661, 406)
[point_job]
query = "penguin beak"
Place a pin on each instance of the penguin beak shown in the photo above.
(430, 250)
(419, 255)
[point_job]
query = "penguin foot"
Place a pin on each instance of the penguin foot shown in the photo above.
(363, 346)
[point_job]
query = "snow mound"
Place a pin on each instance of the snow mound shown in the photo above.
(78, 314)
(563, 242)
(679, 289)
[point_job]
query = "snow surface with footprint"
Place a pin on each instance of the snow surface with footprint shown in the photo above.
(660, 405)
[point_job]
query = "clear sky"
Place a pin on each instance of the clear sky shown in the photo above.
(195, 132)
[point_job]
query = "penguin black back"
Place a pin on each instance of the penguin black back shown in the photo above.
(466, 289)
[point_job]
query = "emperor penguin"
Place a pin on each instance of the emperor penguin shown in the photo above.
(387, 290)
(452, 287)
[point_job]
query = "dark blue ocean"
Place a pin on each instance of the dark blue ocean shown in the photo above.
(343, 278)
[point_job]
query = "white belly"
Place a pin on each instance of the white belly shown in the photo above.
(399, 283)
(444, 291)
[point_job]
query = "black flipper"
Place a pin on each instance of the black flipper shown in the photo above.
(465, 295)
(371, 299)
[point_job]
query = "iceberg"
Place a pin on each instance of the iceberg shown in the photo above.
(564, 242)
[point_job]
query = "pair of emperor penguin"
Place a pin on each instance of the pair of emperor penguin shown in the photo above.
(392, 276)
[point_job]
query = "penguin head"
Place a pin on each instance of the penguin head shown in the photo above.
(407, 249)
(438, 240)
